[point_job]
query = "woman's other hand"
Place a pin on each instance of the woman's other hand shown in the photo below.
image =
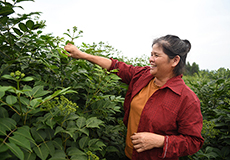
(143, 141)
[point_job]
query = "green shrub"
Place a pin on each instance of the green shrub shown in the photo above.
(52, 106)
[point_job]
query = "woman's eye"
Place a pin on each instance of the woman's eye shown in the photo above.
(154, 54)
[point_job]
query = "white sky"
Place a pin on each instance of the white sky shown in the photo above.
(131, 25)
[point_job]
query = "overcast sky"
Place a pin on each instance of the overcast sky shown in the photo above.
(131, 25)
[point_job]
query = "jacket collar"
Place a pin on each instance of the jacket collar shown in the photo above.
(175, 84)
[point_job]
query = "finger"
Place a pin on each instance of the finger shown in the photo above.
(135, 142)
(69, 44)
(134, 136)
(138, 146)
(140, 150)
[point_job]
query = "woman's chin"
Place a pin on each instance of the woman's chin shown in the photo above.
(152, 72)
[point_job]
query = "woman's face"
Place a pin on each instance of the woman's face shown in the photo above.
(160, 64)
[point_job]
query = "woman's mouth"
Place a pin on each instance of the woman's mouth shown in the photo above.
(152, 66)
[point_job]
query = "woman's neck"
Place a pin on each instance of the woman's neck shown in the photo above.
(161, 81)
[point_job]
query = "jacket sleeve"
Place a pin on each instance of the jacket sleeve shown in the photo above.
(189, 139)
(125, 71)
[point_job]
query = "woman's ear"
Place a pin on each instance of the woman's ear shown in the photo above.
(176, 60)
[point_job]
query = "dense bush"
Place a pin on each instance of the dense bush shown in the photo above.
(213, 91)
(54, 107)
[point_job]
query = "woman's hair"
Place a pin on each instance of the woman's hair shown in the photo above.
(172, 46)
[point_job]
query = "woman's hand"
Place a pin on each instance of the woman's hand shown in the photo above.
(143, 141)
(74, 52)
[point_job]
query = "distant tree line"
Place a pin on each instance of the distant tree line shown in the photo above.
(191, 69)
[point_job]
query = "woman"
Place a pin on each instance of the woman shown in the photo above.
(162, 114)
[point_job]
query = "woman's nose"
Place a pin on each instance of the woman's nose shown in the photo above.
(151, 59)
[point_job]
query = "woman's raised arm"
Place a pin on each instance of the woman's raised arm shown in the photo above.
(74, 52)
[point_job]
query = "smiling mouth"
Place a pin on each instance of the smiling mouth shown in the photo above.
(152, 66)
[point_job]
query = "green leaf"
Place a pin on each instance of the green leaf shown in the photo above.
(59, 92)
(84, 130)
(225, 151)
(71, 126)
(3, 20)
(7, 88)
(41, 151)
(219, 81)
(100, 144)
(5, 11)
(35, 102)
(3, 147)
(83, 142)
(21, 141)
(36, 90)
(68, 36)
(27, 79)
(72, 117)
(63, 91)
(30, 24)
(23, 27)
(112, 149)
(81, 122)
(77, 157)
(50, 147)
(3, 113)
(57, 142)
(95, 145)
(6, 124)
(58, 155)
(6, 76)
(93, 122)
(49, 133)
(92, 141)
(5, 155)
(39, 135)
(75, 152)
(29, 155)
(25, 101)
(16, 150)
(36, 26)
(51, 122)
(24, 131)
(58, 129)
(28, 91)
(2, 93)
(10, 99)
(17, 31)
(75, 136)
(39, 92)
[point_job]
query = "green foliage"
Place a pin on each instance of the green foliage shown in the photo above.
(191, 69)
(52, 106)
(212, 89)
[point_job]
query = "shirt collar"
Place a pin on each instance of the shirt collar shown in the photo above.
(175, 84)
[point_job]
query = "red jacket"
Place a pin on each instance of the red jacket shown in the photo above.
(172, 111)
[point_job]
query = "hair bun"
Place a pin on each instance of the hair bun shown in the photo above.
(188, 44)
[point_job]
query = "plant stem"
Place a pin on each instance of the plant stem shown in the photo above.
(11, 107)
(8, 136)
(20, 104)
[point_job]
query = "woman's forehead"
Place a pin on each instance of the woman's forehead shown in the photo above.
(157, 48)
